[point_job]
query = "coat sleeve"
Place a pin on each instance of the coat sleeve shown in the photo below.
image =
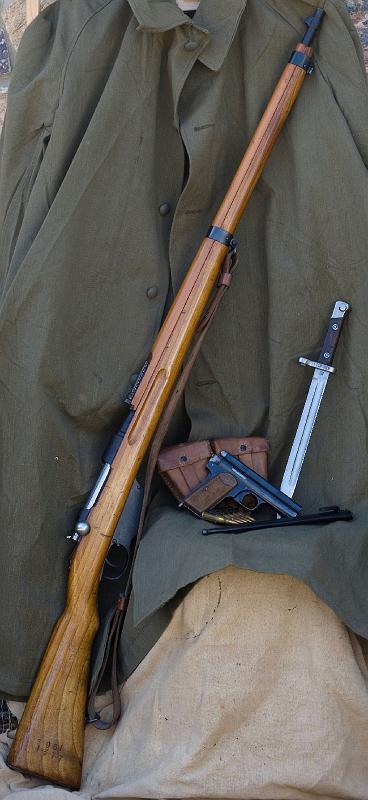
(32, 101)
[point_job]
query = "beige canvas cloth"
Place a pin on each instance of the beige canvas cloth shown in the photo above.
(255, 690)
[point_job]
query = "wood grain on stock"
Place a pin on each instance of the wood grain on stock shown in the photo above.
(262, 142)
(49, 741)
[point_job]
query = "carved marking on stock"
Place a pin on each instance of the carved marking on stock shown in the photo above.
(52, 749)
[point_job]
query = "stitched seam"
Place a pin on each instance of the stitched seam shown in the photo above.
(74, 43)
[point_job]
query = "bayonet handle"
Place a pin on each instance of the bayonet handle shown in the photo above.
(327, 353)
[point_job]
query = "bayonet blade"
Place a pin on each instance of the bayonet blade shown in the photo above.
(323, 369)
(304, 431)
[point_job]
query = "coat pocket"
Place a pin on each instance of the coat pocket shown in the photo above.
(18, 203)
(34, 167)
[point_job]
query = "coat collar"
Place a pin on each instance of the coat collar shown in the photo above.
(215, 19)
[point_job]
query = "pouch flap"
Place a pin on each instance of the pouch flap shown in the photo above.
(183, 455)
(240, 446)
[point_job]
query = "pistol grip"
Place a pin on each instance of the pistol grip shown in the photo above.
(210, 492)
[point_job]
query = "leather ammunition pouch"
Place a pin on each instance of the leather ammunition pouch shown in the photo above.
(183, 466)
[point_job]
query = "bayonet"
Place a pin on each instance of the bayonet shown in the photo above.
(322, 370)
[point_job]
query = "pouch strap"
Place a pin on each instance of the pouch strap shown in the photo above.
(161, 431)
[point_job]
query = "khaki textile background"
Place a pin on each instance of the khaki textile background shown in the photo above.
(202, 719)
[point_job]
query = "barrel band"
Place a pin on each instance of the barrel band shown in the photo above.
(220, 235)
(300, 59)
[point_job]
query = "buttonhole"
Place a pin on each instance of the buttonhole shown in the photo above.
(209, 382)
(204, 127)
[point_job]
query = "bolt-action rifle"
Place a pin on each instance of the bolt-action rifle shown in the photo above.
(49, 740)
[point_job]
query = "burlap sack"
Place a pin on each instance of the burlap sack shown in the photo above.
(255, 690)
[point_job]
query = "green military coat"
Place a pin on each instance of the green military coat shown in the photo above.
(106, 97)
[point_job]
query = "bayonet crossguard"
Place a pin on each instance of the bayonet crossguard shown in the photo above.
(322, 371)
(306, 362)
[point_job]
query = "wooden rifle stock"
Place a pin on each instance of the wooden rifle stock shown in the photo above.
(49, 740)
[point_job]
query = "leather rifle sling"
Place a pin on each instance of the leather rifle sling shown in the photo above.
(161, 430)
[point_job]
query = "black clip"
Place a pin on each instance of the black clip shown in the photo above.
(221, 235)
(301, 60)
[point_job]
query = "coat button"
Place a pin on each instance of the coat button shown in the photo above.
(152, 292)
(190, 45)
(164, 209)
